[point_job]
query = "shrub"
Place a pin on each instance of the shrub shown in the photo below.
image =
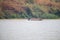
(49, 16)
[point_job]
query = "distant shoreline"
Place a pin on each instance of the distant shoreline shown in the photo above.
(27, 19)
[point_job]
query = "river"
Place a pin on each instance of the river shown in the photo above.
(30, 30)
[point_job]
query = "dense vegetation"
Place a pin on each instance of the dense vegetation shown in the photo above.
(29, 9)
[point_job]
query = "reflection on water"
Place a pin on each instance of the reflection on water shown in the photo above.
(29, 30)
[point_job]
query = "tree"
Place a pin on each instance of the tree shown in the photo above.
(30, 1)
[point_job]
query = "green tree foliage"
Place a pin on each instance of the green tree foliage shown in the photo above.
(49, 16)
(57, 12)
(30, 1)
